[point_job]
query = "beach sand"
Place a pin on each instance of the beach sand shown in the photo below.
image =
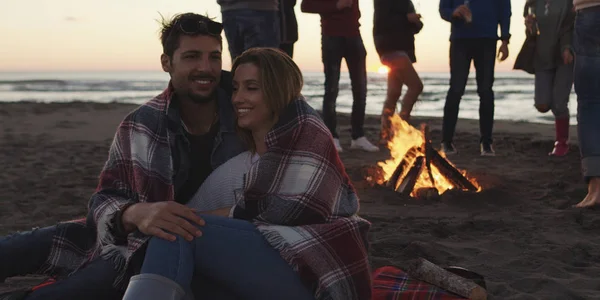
(519, 232)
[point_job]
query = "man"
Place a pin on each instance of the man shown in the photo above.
(340, 38)
(587, 87)
(161, 154)
(474, 38)
(250, 23)
(289, 26)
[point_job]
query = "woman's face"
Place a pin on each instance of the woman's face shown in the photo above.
(248, 99)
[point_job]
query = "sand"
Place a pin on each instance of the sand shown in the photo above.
(519, 232)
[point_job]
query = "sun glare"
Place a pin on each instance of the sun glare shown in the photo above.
(383, 70)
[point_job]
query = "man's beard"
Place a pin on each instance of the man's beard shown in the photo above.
(202, 99)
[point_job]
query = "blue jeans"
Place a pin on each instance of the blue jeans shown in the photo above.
(233, 254)
(245, 29)
(333, 50)
(26, 253)
(587, 87)
(482, 52)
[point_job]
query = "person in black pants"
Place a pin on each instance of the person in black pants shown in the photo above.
(395, 24)
(474, 38)
(289, 26)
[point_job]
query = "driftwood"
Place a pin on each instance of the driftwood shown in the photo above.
(393, 181)
(427, 271)
(408, 182)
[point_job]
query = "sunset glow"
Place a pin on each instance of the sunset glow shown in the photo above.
(86, 35)
(383, 70)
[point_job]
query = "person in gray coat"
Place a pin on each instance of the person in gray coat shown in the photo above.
(552, 22)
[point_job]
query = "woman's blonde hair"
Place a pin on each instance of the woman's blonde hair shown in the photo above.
(280, 81)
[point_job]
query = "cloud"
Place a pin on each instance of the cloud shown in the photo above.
(70, 19)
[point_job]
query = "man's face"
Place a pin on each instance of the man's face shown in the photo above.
(195, 67)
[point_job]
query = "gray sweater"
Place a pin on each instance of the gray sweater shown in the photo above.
(581, 4)
(271, 5)
(220, 188)
(556, 32)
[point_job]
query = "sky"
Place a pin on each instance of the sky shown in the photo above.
(115, 35)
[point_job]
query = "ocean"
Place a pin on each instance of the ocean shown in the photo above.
(513, 92)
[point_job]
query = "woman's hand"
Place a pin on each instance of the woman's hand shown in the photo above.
(414, 18)
(567, 56)
(529, 22)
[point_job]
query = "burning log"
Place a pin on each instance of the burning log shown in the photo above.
(451, 173)
(408, 182)
(427, 271)
(415, 167)
(393, 182)
(427, 193)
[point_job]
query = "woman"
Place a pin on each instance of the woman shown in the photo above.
(553, 63)
(394, 27)
(293, 232)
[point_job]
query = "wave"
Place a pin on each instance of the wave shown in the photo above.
(43, 85)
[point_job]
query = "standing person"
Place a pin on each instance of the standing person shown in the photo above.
(161, 154)
(289, 26)
(553, 63)
(474, 38)
(395, 24)
(587, 87)
(250, 23)
(340, 38)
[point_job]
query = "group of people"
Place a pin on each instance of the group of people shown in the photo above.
(229, 185)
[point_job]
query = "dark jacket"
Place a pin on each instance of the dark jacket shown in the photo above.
(487, 15)
(335, 22)
(391, 29)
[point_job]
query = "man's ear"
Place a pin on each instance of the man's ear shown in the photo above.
(165, 62)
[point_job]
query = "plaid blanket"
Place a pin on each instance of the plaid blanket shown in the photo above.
(391, 283)
(139, 169)
(301, 199)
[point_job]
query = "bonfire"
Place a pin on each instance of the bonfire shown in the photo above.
(415, 167)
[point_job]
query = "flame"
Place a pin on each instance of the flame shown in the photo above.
(404, 138)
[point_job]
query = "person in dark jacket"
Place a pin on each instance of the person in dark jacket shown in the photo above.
(474, 38)
(289, 26)
(395, 24)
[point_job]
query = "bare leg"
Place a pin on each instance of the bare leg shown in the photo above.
(402, 72)
(394, 90)
(593, 195)
(415, 88)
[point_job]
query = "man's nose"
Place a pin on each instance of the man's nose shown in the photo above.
(203, 64)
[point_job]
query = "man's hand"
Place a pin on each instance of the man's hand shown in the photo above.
(342, 4)
(414, 18)
(503, 51)
(462, 12)
(158, 218)
(567, 57)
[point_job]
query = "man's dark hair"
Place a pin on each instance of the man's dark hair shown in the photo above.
(171, 31)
